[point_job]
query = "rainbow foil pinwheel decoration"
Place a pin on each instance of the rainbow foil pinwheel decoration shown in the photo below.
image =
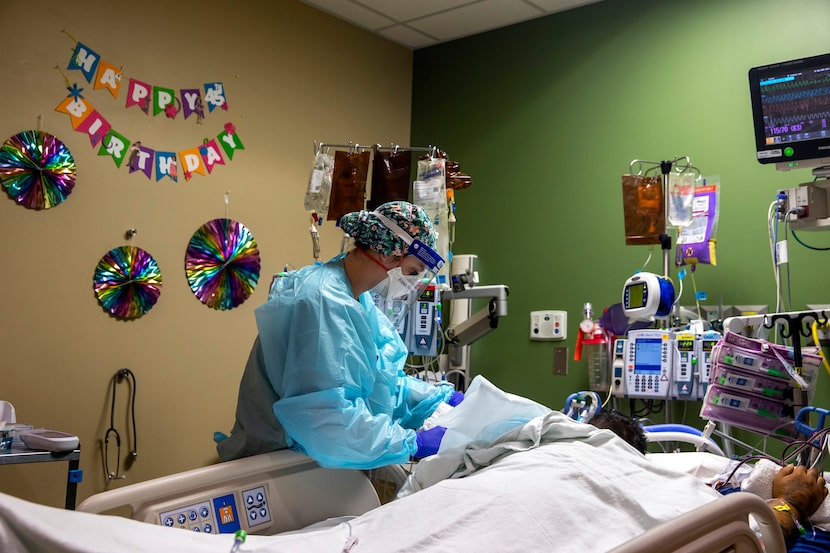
(37, 169)
(222, 263)
(127, 282)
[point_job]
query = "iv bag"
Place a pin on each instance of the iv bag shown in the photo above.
(430, 192)
(430, 189)
(348, 183)
(643, 209)
(681, 192)
(390, 177)
(696, 242)
(319, 185)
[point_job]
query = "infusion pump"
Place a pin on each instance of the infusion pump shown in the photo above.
(420, 327)
(662, 364)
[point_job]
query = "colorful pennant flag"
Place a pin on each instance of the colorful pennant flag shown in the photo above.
(85, 60)
(95, 126)
(108, 77)
(210, 154)
(215, 96)
(229, 141)
(138, 94)
(114, 145)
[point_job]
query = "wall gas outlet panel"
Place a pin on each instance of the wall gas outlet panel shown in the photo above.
(548, 325)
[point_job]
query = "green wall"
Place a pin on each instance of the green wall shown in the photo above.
(546, 117)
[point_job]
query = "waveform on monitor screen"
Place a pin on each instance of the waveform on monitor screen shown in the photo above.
(797, 95)
(817, 120)
(807, 107)
(790, 83)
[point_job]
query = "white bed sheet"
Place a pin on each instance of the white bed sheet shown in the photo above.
(552, 485)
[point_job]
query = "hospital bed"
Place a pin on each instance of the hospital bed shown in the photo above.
(257, 494)
(721, 526)
(548, 487)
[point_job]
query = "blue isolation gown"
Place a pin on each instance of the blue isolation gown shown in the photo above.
(329, 370)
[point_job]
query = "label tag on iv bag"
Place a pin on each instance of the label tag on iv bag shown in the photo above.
(681, 190)
(316, 181)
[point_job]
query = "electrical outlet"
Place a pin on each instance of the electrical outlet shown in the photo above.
(560, 361)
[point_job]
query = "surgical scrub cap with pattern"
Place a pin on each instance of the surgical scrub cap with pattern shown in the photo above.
(368, 230)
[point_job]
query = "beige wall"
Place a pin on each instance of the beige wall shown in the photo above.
(292, 75)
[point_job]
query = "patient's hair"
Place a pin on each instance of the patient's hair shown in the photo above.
(623, 426)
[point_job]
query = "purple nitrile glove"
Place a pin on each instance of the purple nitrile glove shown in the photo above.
(429, 441)
(456, 398)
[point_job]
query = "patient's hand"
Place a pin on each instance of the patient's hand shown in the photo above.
(803, 489)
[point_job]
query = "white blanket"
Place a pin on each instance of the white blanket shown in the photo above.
(564, 487)
(548, 484)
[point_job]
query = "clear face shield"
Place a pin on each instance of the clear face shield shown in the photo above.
(405, 284)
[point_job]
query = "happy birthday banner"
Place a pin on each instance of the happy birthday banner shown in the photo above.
(199, 159)
(103, 74)
(86, 119)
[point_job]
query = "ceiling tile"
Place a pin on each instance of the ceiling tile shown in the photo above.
(352, 12)
(418, 23)
(407, 37)
(475, 18)
(406, 10)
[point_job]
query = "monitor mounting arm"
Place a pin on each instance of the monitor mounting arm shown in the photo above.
(485, 320)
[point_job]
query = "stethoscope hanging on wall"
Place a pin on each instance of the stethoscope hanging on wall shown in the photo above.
(112, 432)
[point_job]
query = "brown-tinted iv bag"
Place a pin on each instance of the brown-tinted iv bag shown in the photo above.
(348, 183)
(644, 209)
(391, 177)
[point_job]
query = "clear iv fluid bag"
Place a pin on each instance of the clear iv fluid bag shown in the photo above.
(318, 193)
(681, 190)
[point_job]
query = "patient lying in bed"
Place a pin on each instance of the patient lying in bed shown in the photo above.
(794, 494)
(803, 488)
(534, 480)
(542, 489)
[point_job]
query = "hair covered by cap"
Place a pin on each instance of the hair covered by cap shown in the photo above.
(369, 231)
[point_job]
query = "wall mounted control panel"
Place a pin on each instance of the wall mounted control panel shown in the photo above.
(548, 325)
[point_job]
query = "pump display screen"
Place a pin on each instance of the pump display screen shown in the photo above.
(635, 296)
(428, 294)
(647, 355)
(684, 344)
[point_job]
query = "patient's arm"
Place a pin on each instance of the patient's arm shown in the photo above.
(797, 493)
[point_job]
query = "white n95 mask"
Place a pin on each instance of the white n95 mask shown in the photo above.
(395, 294)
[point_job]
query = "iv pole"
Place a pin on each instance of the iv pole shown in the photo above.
(666, 167)
(665, 238)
